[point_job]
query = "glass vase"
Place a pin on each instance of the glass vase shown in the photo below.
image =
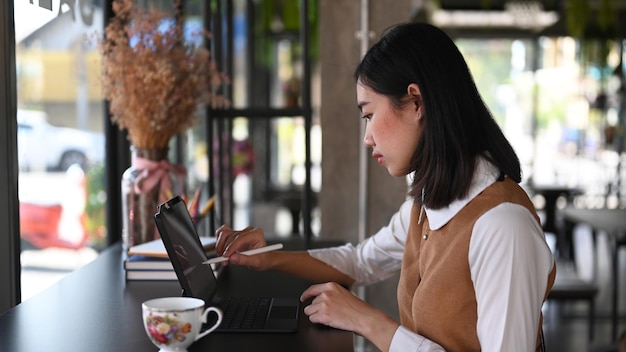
(148, 182)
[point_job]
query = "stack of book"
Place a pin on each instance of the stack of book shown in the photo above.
(149, 261)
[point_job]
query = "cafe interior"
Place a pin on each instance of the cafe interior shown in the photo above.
(280, 144)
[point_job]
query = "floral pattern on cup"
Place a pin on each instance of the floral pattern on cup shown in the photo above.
(173, 323)
(166, 329)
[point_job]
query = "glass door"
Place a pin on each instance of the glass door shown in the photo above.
(61, 144)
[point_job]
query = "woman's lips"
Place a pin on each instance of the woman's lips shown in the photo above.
(379, 158)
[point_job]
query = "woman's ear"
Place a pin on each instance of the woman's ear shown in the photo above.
(413, 90)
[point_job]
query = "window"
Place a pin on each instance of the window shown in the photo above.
(60, 139)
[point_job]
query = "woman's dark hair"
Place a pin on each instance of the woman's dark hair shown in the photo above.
(458, 126)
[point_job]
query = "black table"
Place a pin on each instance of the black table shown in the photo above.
(551, 194)
(95, 309)
(613, 223)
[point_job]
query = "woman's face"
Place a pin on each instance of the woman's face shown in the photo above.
(392, 134)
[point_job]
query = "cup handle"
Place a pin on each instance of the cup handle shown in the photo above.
(203, 318)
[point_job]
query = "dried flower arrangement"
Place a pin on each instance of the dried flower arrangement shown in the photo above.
(154, 80)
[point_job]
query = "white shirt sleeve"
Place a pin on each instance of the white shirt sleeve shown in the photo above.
(378, 257)
(406, 340)
(507, 254)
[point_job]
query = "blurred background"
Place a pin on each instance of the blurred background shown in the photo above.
(288, 155)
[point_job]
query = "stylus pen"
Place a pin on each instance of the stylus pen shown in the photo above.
(250, 252)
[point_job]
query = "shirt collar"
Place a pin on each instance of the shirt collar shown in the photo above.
(484, 175)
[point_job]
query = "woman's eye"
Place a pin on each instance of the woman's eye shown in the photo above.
(366, 117)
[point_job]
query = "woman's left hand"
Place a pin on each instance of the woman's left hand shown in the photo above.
(335, 306)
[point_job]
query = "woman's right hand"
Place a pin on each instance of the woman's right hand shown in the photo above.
(231, 242)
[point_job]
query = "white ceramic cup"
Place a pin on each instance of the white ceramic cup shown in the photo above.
(173, 323)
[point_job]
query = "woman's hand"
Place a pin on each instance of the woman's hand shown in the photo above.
(230, 243)
(335, 306)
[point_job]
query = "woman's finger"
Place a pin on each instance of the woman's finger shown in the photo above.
(222, 234)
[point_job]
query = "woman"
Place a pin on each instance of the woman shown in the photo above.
(475, 267)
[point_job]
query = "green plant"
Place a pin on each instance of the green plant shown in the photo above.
(282, 17)
(595, 27)
(95, 222)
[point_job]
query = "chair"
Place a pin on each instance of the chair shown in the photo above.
(569, 286)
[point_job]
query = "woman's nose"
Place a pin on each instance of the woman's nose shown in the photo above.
(367, 139)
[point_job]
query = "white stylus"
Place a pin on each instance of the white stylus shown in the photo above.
(250, 252)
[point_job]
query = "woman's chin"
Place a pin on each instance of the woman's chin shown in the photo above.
(395, 173)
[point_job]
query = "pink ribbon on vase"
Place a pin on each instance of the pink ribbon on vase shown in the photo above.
(154, 172)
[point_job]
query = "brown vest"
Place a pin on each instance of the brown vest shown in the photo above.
(435, 293)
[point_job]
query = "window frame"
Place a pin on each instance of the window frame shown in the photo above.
(10, 288)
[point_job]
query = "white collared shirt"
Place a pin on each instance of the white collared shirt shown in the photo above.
(504, 268)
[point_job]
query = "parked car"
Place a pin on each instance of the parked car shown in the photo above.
(44, 147)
